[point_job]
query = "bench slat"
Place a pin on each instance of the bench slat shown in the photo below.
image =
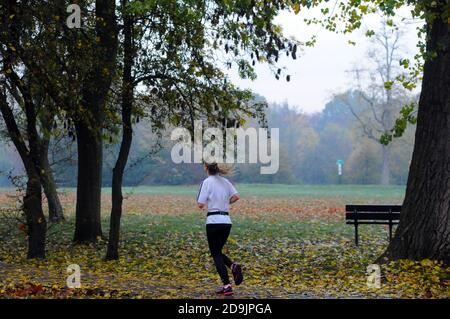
(373, 208)
(372, 222)
(372, 216)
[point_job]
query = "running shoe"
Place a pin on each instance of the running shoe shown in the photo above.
(225, 290)
(236, 269)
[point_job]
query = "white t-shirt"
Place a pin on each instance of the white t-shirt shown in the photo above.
(216, 191)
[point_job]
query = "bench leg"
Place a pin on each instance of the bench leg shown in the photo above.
(390, 232)
(356, 234)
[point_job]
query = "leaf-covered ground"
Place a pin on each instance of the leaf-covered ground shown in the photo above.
(291, 240)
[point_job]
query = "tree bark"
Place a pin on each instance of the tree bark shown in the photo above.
(386, 169)
(32, 203)
(88, 208)
(424, 229)
(36, 223)
(89, 124)
(55, 210)
(112, 252)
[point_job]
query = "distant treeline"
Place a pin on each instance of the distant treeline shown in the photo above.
(310, 145)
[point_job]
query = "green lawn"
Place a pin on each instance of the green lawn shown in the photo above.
(351, 192)
(277, 190)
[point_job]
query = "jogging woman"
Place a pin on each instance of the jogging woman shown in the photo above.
(217, 193)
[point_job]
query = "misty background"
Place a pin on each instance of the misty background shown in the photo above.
(310, 145)
(334, 107)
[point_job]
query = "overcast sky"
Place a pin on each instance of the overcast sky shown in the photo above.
(320, 71)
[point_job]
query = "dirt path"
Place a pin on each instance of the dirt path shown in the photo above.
(13, 276)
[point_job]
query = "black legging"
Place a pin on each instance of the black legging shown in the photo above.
(217, 235)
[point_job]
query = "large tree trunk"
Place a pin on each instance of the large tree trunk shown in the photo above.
(424, 229)
(385, 169)
(112, 252)
(36, 224)
(89, 124)
(88, 209)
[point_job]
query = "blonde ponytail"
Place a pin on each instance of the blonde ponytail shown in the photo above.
(221, 169)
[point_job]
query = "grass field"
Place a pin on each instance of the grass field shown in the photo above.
(291, 239)
(371, 192)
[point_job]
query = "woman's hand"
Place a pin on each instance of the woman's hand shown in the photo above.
(201, 205)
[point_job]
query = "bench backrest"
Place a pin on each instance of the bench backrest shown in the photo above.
(373, 212)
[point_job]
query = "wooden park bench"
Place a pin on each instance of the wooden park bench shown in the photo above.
(372, 214)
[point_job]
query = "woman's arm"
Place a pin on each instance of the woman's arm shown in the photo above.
(203, 194)
(234, 198)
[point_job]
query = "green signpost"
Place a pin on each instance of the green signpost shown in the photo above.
(339, 164)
